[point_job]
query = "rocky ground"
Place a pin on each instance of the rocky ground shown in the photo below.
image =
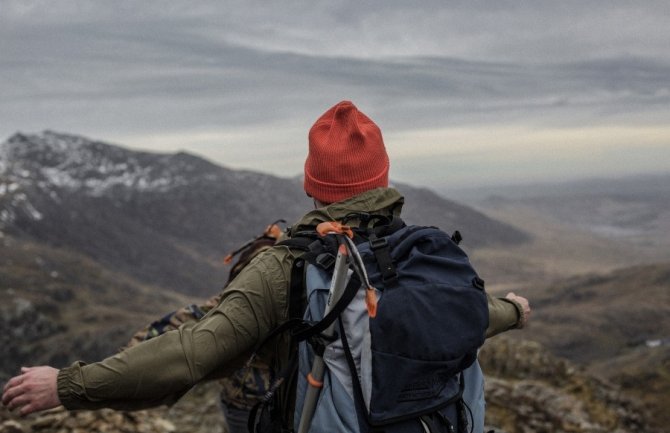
(197, 412)
(528, 391)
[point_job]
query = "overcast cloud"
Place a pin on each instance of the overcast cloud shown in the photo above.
(465, 92)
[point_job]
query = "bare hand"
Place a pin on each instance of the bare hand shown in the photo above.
(32, 391)
(525, 308)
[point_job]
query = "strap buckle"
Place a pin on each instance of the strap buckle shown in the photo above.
(380, 248)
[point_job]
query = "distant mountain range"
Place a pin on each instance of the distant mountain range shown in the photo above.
(168, 219)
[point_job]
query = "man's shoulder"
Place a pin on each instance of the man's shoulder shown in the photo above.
(277, 258)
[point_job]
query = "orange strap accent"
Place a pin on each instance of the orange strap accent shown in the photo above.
(313, 382)
(228, 259)
(273, 231)
(371, 301)
(333, 226)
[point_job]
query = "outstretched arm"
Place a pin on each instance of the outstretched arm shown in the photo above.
(156, 372)
(162, 369)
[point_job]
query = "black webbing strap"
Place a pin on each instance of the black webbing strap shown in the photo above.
(296, 291)
(347, 296)
(301, 329)
(295, 308)
(266, 416)
(318, 251)
(380, 248)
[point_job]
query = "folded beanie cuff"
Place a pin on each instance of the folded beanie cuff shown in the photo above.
(329, 192)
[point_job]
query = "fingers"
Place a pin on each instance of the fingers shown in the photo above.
(12, 392)
(525, 308)
(10, 389)
(28, 409)
(23, 402)
(14, 381)
(18, 401)
(33, 390)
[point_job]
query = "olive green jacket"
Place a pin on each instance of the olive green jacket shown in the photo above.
(162, 369)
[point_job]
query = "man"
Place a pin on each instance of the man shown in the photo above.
(346, 171)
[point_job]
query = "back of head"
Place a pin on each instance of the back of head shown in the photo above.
(346, 155)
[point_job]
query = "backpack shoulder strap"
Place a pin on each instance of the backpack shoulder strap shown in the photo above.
(315, 250)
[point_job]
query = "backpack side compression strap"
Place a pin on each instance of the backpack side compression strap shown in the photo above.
(349, 293)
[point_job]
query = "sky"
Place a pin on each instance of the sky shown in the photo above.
(467, 93)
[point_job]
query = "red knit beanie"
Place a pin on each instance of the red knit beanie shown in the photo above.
(346, 155)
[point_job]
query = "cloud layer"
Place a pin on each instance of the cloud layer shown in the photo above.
(241, 82)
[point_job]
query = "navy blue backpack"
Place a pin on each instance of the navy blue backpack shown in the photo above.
(401, 370)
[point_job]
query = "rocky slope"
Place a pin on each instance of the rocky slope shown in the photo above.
(530, 390)
(622, 309)
(617, 324)
(58, 306)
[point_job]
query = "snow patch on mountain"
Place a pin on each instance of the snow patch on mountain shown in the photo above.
(71, 162)
(7, 188)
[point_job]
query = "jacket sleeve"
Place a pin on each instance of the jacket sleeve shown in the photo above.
(504, 314)
(160, 370)
(173, 320)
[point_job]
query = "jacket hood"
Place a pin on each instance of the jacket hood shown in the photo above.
(383, 201)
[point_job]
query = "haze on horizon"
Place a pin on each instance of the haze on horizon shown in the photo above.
(466, 93)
